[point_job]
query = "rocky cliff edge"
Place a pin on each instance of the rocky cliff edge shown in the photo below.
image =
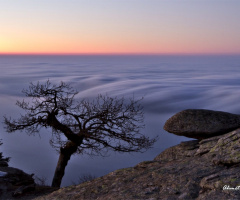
(197, 169)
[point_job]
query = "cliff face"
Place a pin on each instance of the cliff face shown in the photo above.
(206, 169)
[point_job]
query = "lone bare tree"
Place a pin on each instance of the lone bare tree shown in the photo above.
(84, 126)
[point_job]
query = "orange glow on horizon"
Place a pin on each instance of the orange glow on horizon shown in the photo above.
(119, 53)
(101, 45)
(105, 47)
(114, 27)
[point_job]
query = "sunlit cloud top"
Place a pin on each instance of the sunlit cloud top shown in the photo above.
(120, 26)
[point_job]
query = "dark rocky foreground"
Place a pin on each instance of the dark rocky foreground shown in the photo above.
(16, 184)
(191, 170)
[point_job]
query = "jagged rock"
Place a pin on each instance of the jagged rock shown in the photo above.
(16, 177)
(191, 170)
(14, 181)
(201, 124)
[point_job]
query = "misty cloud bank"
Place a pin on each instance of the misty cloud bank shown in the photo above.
(168, 85)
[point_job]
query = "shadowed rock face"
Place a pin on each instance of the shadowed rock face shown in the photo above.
(200, 124)
(16, 184)
(13, 181)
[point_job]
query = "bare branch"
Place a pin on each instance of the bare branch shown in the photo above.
(92, 127)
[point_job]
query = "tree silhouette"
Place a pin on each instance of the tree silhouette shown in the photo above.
(84, 126)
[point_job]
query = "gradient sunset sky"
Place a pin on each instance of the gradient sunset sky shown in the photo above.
(120, 26)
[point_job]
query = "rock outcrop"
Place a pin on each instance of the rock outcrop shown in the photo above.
(13, 182)
(201, 124)
(16, 181)
(16, 184)
(206, 169)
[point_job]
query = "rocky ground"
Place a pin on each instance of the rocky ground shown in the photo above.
(191, 170)
(208, 168)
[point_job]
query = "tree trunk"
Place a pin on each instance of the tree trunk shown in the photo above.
(64, 157)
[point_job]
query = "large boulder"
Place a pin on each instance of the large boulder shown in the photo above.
(200, 124)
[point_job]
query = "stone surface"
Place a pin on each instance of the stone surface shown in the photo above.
(13, 181)
(200, 124)
(191, 170)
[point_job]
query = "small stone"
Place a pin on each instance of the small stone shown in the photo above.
(202, 124)
(23, 189)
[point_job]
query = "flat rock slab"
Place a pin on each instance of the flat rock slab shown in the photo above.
(201, 124)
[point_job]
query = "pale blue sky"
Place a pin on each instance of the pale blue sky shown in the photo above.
(120, 26)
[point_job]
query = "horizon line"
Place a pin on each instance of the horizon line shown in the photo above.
(119, 54)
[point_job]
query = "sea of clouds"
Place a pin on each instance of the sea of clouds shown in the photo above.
(168, 84)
